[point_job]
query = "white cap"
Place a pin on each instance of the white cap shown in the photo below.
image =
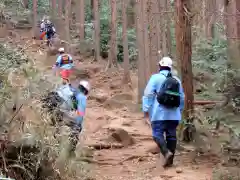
(61, 49)
(166, 61)
(85, 84)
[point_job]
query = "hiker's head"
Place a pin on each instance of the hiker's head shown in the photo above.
(61, 50)
(165, 63)
(84, 87)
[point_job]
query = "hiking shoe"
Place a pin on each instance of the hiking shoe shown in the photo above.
(167, 159)
(170, 162)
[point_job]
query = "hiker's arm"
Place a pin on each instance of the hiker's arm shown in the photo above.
(81, 108)
(58, 62)
(149, 95)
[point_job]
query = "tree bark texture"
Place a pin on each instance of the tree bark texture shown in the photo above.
(60, 8)
(210, 18)
(96, 29)
(126, 64)
(34, 18)
(184, 51)
(142, 80)
(25, 3)
(112, 58)
(54, 7)
(67, 15)
(153, 36)
(144, 9)
(232, 9)
(82, 19)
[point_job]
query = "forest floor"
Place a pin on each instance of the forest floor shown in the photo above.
(111, 112)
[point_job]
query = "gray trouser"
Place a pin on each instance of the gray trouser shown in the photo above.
(73, 132)
(74, 135)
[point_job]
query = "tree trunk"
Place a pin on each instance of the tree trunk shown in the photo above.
(130, 14)
(60, 8)
(233, 32)
(146, 38)
(210, 18)
(159, 30)
(34, 18)
(82, 19)
(67, 15)
(92, 9)
(198, 11)
(126, 76)
(162, 22)
(168, 28)
(153, 35)
(112, 58)
(54, 11)
(96, 30)
(25, 3)
(184, 52)
(140, 45)
(166, 23)
(54, 7)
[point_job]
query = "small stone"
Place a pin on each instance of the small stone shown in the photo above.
(179, 170)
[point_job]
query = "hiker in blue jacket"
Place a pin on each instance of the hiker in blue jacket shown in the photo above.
(164, 107)
(74, 102)
(80, 103)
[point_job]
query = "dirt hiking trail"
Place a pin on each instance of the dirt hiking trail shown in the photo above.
(114, 128)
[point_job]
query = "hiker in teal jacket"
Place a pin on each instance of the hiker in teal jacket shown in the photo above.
(163, 120)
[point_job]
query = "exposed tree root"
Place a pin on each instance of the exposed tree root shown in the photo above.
(138, 157)
(91, 161)
(202, 103)
(105, 146)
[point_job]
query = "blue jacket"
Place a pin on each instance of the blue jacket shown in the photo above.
(81, 107)
(150, 104)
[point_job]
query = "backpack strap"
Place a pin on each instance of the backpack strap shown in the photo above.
(169, 74)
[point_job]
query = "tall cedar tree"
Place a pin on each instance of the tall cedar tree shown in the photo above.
(126, 78)
(184, 51)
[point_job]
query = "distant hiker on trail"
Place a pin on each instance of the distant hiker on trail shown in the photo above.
(163, 103)
(47, 29)
(50, 31)
(65, 63)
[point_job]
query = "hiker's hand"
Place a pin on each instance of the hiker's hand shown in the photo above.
(146, 115)
(146, 119)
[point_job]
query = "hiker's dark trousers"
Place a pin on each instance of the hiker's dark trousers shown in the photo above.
(76, 129)
(169, 129)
